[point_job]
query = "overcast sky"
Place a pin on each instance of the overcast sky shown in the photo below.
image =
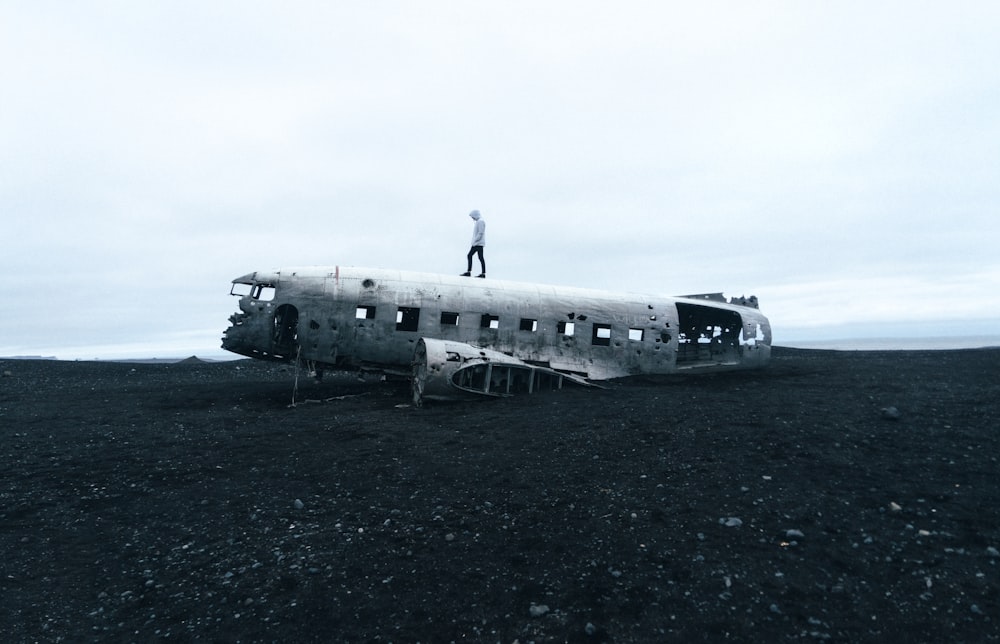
(840, 160)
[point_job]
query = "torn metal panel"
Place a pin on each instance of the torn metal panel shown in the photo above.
(446, 370)
(373, 318)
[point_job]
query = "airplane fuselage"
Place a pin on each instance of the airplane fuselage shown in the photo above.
(348, 317)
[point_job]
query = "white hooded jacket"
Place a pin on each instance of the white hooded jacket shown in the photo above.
(478, 229)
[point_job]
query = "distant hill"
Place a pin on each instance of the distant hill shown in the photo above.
(188, 360)
(28, 358)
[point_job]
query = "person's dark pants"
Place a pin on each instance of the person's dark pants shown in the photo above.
(482, 262)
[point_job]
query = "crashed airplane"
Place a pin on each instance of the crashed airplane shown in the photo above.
(457, 337)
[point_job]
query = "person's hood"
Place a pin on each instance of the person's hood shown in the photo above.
(474, 214)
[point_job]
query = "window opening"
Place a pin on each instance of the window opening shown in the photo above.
(527, 324)
(544, 380)
(635, 334)
(473, 377)
(407, 318)
(284, 328)
(263, 292)
(488, 321)
(564, 328)
(449, 319)
(520, 380)
(499, 380)
(602, 335)
(240, 289)
(707, 335)
(364, 313)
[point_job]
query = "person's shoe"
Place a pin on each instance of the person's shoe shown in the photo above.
(466, 274)
(481, 275)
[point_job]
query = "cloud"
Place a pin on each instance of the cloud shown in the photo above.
(150, 153)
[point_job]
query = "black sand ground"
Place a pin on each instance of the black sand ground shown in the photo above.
(190, 502)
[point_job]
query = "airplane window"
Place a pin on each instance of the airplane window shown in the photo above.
(528, 324)
(448, 318)
(565, 328)
(365, 313)
(602, 335)
(488, 321)
(263, 292)
(635, 334)
(240, 289)
(407, 318)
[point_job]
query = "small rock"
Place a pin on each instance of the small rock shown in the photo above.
(794, 534)
(537, 610)
(589, 629)
(890, 413)
(993, 552)
(450, 536)
(895, 507)
(731, 522)
(299, 504)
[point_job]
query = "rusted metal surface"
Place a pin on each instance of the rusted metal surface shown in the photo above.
(375, 319)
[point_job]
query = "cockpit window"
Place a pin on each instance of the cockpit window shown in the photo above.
(263, 292)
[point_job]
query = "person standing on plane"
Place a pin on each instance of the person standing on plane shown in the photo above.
(478, 241)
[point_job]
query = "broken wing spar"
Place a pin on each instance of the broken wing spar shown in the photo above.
(410, 323)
